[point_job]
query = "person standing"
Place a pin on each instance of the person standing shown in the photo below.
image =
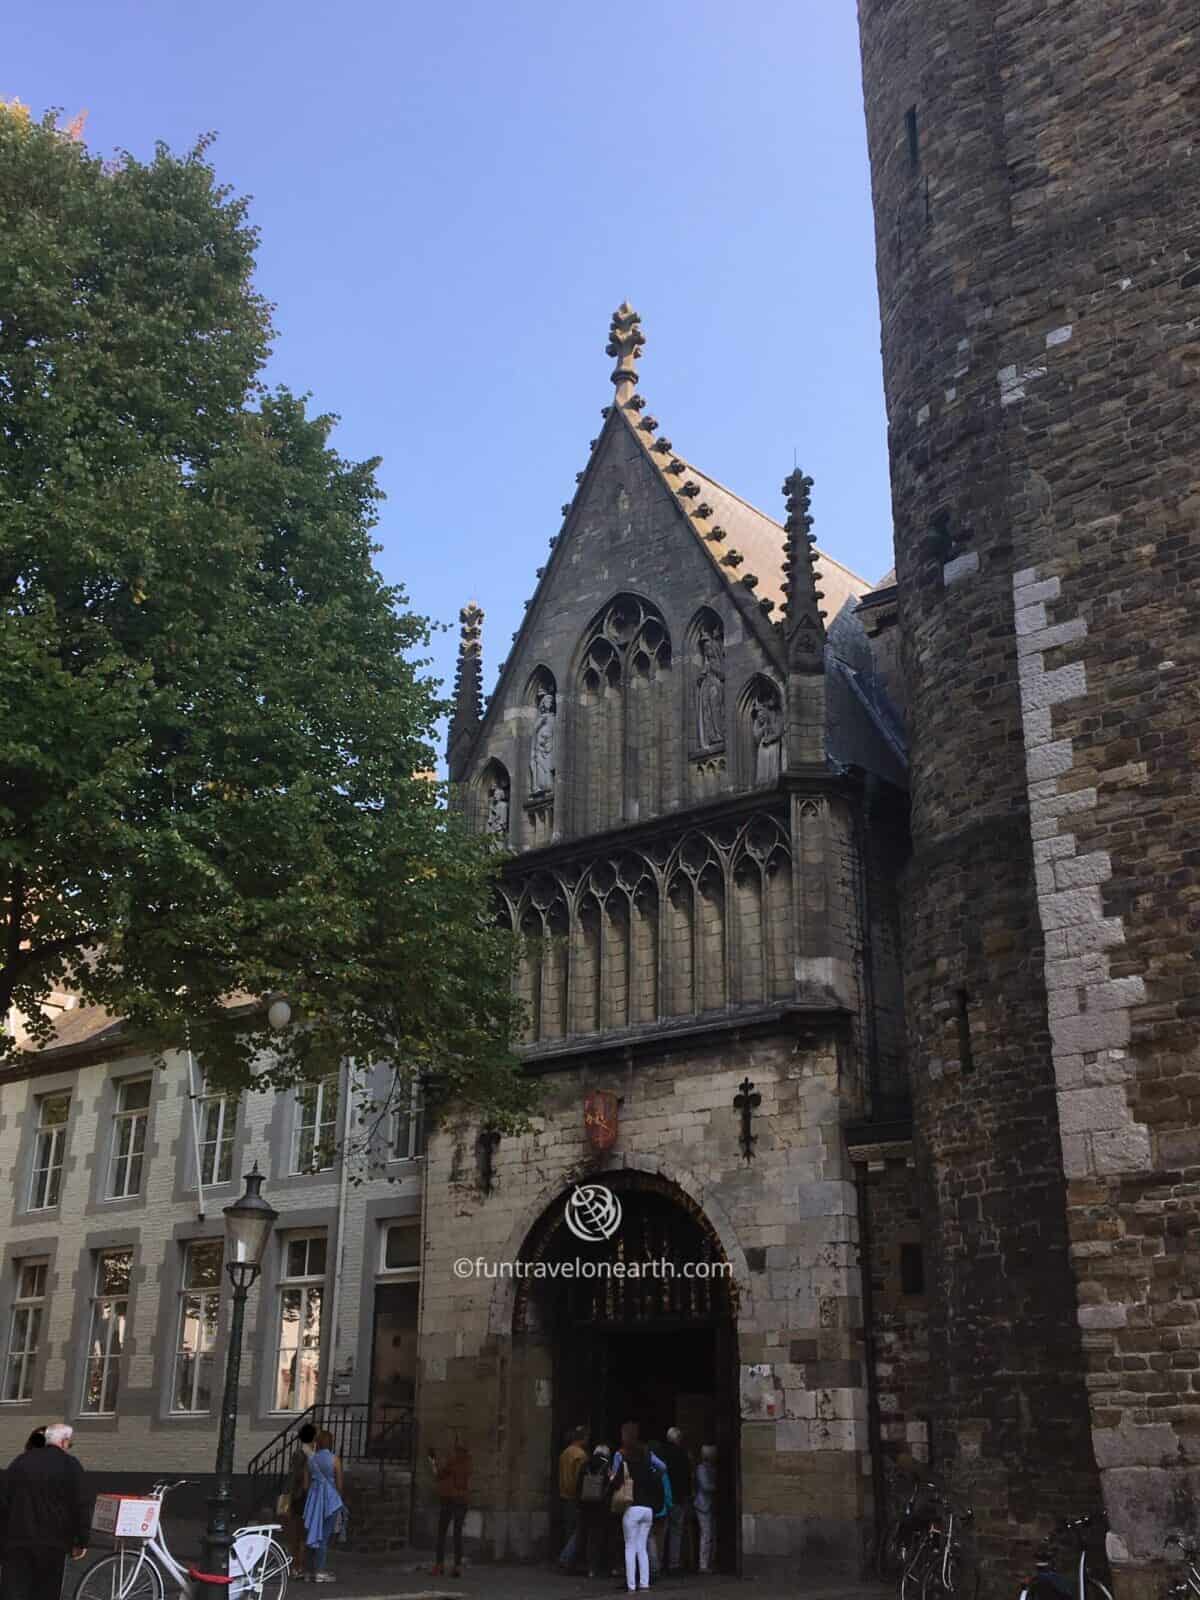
(296, 1494)
(705, 1504)
(45, 1511)
(646, 1500)
(570, 1464)
(322, 1504)
(452, 1479)
(591, 1552)
(679, 1470)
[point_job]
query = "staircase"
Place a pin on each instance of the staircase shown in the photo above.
(375, 1443)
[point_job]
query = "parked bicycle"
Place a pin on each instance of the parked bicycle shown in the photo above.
(1188, 1587)
(904, 1532)
(258, 1565)
(934, 1568)
(1048, 1583)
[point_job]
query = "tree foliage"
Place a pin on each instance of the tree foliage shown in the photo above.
(215, 742)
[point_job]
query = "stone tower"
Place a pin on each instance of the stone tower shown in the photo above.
(1036, 182)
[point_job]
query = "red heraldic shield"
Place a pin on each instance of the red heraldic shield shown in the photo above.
(600, 1119)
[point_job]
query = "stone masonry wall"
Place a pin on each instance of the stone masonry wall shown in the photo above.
(1036, 189)
(787, 1220)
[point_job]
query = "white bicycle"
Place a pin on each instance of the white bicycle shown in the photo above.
(258, 1565)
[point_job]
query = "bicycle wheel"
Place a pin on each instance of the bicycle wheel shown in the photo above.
(1097, 1591)
(126, 1575)
(931, 1572)
(912, 1579)
(276, 1566)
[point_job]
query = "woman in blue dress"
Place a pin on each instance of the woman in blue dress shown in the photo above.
(322, 1504)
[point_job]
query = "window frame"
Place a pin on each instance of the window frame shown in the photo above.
(107, 1359)
(227, 1122)
(412, 1119)
(137, 1119)
(411, 1271)
(31, 1304)
(203, 1293)
(317, 1095)
(52, 1169)
(303, 1285)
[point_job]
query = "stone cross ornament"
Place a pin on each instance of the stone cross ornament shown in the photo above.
(747, 1101)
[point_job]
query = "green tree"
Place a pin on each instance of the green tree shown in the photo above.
(215, 742)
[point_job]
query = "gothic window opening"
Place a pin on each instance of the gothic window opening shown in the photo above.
(624, 696)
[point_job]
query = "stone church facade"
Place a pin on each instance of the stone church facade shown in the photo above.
(694, 761)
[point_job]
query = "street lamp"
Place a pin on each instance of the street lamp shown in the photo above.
(248, 1224)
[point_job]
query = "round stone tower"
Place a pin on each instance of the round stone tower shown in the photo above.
(1036, 181)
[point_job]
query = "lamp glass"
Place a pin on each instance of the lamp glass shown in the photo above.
(248, 1224)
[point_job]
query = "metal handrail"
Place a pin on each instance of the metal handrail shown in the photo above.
(362, 1431)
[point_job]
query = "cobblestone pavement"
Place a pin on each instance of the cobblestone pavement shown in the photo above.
(406, 1575)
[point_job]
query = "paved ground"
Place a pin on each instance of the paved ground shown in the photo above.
(407, 1576)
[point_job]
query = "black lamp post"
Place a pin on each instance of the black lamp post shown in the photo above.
(248, 1224)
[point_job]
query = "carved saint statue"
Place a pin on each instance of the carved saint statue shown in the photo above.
(541, 754)
(497, 814)
(710, 693)
(767, 721)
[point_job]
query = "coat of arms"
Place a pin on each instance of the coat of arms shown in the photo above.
(600, 1119)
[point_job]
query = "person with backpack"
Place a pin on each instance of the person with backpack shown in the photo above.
(591, 1552)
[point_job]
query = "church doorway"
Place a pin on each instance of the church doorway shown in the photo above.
(649, 1335)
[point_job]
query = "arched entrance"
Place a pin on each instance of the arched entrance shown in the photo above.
(639, 1326)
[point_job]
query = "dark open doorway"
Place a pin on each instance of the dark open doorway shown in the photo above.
(650, 1347)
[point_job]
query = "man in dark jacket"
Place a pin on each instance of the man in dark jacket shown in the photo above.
(45, 1511)
(679, 1470)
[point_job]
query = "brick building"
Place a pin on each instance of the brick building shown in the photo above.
(1036, 191)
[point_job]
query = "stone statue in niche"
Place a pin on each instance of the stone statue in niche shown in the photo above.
(766, 719)
(497, 812)
(541, 755)
(710, 693)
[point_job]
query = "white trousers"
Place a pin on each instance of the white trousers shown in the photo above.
(708, 1528)
(635, 1524)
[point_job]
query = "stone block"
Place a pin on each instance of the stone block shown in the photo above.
(1127, 1149)
(1090, 1110)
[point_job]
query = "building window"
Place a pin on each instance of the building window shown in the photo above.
(196, 1327)
(129, 1138)
(25, 1330)
(408, 1125)
(46, 1179)
(401, 1247)
(217, 1119)
(316, 1126)
(106, 1339)
(912, 1269)
(301, 1289)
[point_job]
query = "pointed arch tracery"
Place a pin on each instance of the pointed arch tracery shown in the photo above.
(624, 696)
(661, 931)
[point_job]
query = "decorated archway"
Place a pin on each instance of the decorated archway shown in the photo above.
(634, 1321)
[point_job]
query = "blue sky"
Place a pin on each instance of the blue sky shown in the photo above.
(454, 198)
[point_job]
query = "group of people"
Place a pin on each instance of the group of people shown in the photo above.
(45, 1515)
(654, 1488)
(311, 1507)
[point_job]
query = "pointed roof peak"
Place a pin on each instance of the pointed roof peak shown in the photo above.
(626, 342)
(468, 689)
(804, 621)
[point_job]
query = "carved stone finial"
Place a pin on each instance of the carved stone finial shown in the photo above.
(703, 510)
(750, 580)
(662, 447)
(649, 424)
(638, 403)
(626, 342)
(732, 558)
(468, 690)
(691, 489)
(804, 621)
(676, 467)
